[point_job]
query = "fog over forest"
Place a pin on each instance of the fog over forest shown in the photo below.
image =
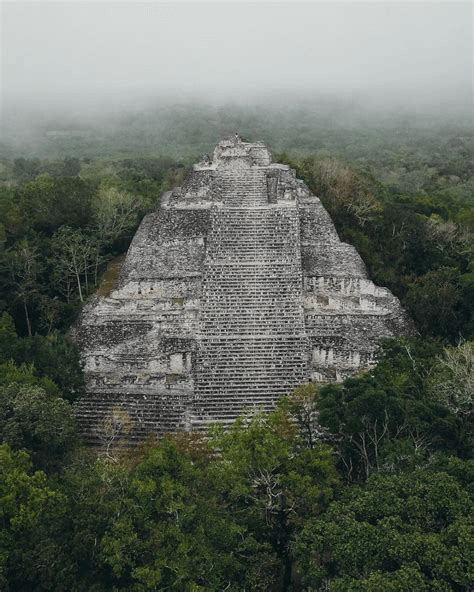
(71, 64)
(362, 485)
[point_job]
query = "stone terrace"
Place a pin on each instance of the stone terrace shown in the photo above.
(234, 292)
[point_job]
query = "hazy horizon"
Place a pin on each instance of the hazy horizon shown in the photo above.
(95, 56)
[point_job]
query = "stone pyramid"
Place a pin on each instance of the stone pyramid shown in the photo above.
(233, 293)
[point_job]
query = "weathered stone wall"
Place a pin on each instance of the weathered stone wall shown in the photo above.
(168, 243)
(237, 290)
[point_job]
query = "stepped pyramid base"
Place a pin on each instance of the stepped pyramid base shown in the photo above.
(233, 293)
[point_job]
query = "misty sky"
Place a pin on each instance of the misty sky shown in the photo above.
(93, 49)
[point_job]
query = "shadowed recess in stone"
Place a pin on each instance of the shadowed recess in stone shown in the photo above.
(233, 293)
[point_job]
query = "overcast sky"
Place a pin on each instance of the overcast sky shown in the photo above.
(92, 49)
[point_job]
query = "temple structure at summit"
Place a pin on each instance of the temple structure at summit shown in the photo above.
(233, 293)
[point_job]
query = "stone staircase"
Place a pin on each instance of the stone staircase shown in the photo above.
(243, 188)
(252, 339)
(151, 410)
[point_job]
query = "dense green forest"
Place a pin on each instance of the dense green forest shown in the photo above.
(360, 486)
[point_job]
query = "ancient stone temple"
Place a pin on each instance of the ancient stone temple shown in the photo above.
(234, 292)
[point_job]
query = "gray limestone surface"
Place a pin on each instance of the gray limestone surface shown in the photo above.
(233, 293)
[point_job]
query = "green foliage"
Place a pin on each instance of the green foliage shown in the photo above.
(257, 509)
(52, 362)
(156, 525)
(178, 531)
(40, 422)
(72, 166)
(59, 230)
(49, 202)
(381, 418)
(76, 258)
(56, 358)
(433, 300)
(30, 514)
(33, 414)
(299, 407)
(117, 213)
(22, 263)
(397, 532)
(452, 380)
(271, 481)
(24, 375)
(25, 168)
(8, 337)
(139, 168)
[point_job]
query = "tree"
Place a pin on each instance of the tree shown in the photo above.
(450, 236)
(72, 166)
(54, 361)
(113, 431)
(24, 375)
(174, 537)
(403, 532)
(30, 518)
(300, 408)
(432, 301)
(50, 202)
(75, 255)
(345, 192)
(23, 264)
(452, 379)
(374, 419)
(70, 203)
(42, 423)
(152, 525)
(8, 337)
(189, 517)
(270, 480)
(117, 213)
(56, 358)
(26, 168)
(97, 494)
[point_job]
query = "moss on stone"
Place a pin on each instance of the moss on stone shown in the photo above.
(109, 280)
